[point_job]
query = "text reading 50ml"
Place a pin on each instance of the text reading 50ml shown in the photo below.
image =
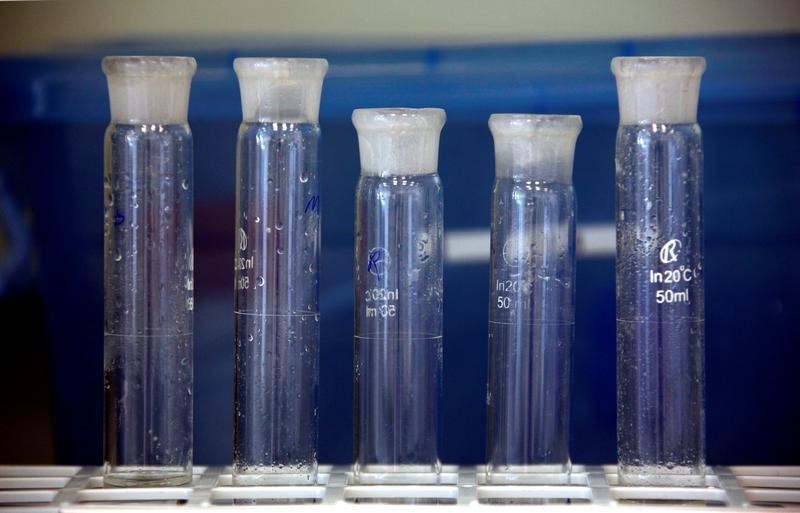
(386, 297)
(674, 276)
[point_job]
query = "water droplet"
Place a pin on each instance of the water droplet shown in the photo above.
(185, 184)
(117, 256)
(257, 219)
(280, 251)
(303, 178)
(260, 281)
(250, 338)
(279, 226)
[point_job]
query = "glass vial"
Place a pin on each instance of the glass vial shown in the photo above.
(532, 296)
(276, 285)
(660, 301)
(148, 284)
(398, 295)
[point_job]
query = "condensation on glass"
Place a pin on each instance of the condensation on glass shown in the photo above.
(660, 297)
(148, 284)
(398, 296)
(276, 283)
(532, 297)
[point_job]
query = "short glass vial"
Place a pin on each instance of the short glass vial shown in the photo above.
(398, 296)
(531, 297)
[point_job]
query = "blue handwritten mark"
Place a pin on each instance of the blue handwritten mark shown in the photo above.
(119, 218)
(312, 205)
(376, 257)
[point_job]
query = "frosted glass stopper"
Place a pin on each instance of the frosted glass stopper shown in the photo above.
(398, 141)
(280, 90)
(539, 147)
(658, 89)
(149, 89)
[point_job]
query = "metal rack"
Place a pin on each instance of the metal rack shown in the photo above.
(65, 489)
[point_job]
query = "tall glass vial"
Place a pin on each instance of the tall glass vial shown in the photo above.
(398, 294)
(660, 300)
(148, 285)
(532, 295)
(276, 285)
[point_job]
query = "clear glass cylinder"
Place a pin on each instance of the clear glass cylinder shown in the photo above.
(148, 261)
(532, 296)
(276, 284)
(660, 296)
(398, 296)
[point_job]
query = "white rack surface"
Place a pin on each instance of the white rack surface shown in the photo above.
(66, 489)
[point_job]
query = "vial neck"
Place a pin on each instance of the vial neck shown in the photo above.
(384, 172)
(555, 172)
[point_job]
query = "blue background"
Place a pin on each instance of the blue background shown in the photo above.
(54, 110)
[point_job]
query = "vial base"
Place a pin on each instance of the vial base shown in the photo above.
(147, 476)
(396, 474)
(276, 423)
(659, 475)
(529, 475)
(397, 396)
(267, 476)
